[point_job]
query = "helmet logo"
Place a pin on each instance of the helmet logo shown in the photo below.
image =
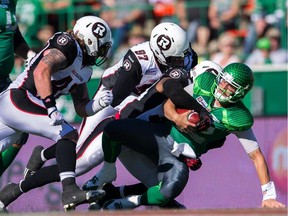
(164, 42)
(99, 30)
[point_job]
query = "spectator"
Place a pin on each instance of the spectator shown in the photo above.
(223, 16)
(121, 15)
(266, 13)
(163, 10)
(278, 55)
(227, 50)
(192, 17)
(261, 54)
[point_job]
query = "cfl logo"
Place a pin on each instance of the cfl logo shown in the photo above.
(99, 30)
(163, 42)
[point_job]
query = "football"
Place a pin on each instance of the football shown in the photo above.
(192, 117)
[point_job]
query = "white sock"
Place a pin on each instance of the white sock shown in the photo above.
(107, 173)
(64, 175)
(135, 199)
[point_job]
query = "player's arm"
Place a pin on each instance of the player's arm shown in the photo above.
(249, 143)
(21, 47)
(129, 76)
(52, 61)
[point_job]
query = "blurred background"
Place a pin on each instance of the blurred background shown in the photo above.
(249, 31)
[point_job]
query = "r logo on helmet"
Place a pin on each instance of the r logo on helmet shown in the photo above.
(164, 42)
(99, 30)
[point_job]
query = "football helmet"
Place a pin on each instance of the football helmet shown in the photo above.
(170, 46)
(96, 35)
(205, 66)
(240, 77)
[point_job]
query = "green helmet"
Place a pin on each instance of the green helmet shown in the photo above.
(240, 76)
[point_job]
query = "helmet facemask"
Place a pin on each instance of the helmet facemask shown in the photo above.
(184, 61)
(240, 78)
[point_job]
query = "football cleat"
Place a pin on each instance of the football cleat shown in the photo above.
(92, 184)
(74, 197)
(8, 194)
(35, 162)
(111, 192)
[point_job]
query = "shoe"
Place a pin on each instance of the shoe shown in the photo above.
(73, 197)
(3, 209)
(8, 194)
(106, 175)
(111, 192)
(35, 162)
(173, 205)
(122, 203)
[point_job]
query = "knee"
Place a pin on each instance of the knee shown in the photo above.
(72, 135)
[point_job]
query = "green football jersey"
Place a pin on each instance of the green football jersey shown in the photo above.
(8, 16)
(225, 119)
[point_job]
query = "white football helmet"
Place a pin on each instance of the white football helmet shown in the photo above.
(204, 66)
(96, 35)
(170, 46)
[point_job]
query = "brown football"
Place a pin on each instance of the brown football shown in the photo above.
(192, 117)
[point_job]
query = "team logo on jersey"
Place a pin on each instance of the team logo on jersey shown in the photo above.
(201, 101)
(164, 42)
(175, 74)
(99, 30)
(127, 65)
(62, 40)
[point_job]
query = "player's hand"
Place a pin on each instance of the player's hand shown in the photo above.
(272, 203)
(56, 117)
(205, 120)
(30, 55)
(105, 98)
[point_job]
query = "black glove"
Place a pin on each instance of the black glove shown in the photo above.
(205, 120)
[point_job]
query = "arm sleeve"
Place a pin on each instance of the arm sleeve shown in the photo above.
(174, 90)
(127, 80)
(247, 140)
(20, 42)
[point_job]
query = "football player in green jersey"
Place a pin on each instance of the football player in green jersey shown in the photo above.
(167, 144)
(11, 43)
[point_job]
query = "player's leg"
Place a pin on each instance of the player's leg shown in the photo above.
(7, 157)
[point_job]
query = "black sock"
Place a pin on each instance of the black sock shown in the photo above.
(66, 155)
(50, 152)
(136, 189)
(42, 177)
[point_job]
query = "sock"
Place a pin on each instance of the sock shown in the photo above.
(66, 155)
(136, 189)
(7, 157)
(107, 173)
(43, 176)
(49, 152)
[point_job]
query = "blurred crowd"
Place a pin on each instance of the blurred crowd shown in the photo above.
(249, 31)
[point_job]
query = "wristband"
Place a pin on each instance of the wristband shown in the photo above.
(268, 191)
(49, 101)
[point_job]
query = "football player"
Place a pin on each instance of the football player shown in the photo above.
(220, 92)
(63, 66)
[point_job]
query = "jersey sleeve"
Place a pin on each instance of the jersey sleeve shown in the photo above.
(247, 140)
(66, 44)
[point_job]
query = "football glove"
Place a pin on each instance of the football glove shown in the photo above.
(205, 120)
(56, 117)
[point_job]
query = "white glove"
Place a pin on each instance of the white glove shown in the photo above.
(30, 55)
(100, 101)
(56, 117)
(105, 98)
